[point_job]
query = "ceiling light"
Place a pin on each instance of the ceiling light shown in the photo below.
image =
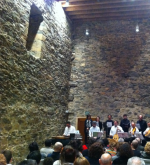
(137, 28)
(87, 32)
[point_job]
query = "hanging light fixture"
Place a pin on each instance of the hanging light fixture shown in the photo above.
(87, 32)
(67, 2)
(137, 28)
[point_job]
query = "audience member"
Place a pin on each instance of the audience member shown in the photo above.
(146, 153)
(48, 161)
(94, 153)
(105, 159)
(8, 156)
(134, 146)
(35, 155)
(105, 142)
(67, 155)
(117, 149)
(33, 147)
(140, 147)
(47, 149)
(81, 161)
(112, 147)
(77, 145)
(125, 152)
(135, 161)
(57, 149)
(90, 142)
(2, 160)
(28, 162)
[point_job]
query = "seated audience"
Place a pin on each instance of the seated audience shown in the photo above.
(140, 147)
(48, 161)
(8, 156)
(94, 153)
(112, 147)
(90, 142)
(105, 159)
(67, 155)
(33, 147)
(28, 162)
(125, 152)
(134, 146)
(105, 142)
(81, 161)
(77, 145)
(117, 149)
(47, 149)
(135, 161)
(146, 153)
(2, 160)
(35, 155)
(57, 149)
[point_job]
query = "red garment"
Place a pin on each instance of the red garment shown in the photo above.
(84, 147)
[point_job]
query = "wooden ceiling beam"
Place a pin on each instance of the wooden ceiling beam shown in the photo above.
(116, 10)
(137, 3)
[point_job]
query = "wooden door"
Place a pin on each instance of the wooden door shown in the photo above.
(80, 126)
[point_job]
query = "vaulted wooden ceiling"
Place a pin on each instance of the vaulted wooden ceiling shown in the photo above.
(86, 10)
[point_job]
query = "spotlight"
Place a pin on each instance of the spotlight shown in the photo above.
(87, 32)
(67, 2)
(137, 28)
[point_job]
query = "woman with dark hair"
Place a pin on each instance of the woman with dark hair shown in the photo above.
(98, 122)
(87, 126)
(67, 155)
(33, 147)
(125, 152)
(94, 153)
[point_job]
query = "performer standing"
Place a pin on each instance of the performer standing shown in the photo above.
(98, 122)
(147, 132)
(108, 124)
(125, 123)
(87, 126)
(142, 124)
(116, 128)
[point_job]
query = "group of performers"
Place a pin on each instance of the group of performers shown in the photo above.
(112, 127)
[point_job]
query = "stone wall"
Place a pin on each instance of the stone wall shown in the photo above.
(33, 83)
(111, 69)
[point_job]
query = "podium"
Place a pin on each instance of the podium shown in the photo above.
(63, 139)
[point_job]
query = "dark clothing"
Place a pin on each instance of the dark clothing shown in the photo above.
(106, 128)
(140, 148)
(125, 124)
(144, 155)
(143, 125)
(92, 161)
(100, 125)
(121, 161)
(136, 153)
(54, 155)
(87, 125)
(85, 152)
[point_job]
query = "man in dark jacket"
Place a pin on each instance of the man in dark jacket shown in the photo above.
(125, 123)
(142, 124)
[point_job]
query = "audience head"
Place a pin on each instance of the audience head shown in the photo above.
(119, 144)
(105, 159)
(109, 117)
(68, 154)
(48, 161)
(120, 140)
(33, 147)
(58, 146)
(125, 150)
(28, 162)
(95, 150)
(8, 156)
(94, 123)
(140, 117)
(135, 161)
(68, 124)
(91, 141)
(115, 122)
(35, 155)
(125, 116)
(147, 148)
(133, 124)
(97, 118)
(148, 124)
(105, 141)
(76, 144)
(81, 161)
(88, 116)
(2, 160)
(112, 144)
(138, 140)
(134, 144)
(48, 142)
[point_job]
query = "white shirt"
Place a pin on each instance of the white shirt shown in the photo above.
(147, 129)
(93, 129)
(136, 131)
(46, 150)
(114, 129)
(69, 130)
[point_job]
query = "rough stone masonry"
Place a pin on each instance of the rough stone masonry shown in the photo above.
(33, 82)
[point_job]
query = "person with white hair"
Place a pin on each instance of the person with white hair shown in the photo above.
(105, 159)
(135, 161)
